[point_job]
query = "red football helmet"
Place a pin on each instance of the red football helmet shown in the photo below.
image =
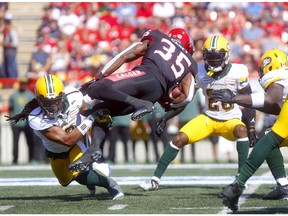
(183, 36)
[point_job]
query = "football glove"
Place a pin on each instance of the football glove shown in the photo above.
(223, 95)
(103, 118)
(253, 138)
(83, 88)
(160, 126)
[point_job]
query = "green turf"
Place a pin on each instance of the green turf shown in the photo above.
(169, 199)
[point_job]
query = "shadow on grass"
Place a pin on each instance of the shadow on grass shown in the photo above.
(270, 210)
(65, 197)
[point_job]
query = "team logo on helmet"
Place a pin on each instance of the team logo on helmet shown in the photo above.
(228, 46)
(266, 61)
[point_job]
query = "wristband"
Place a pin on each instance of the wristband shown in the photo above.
(258, 100)
(100, 76)
(86, 125)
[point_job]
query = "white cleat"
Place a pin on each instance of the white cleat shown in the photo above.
(149, 185)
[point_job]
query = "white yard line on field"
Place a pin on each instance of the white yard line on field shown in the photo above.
(133, 166)
(3, 208)
(136, 180)
(117, 207)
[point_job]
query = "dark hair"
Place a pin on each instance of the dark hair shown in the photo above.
(31, 105)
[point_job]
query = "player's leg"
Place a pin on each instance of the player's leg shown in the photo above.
(93, 153)
(259, 153)
(93, 176)
(129, 89)
(100, 128)
(235, 129)
(193, 131)
(271, 140)
(231, 130)
(276, 165)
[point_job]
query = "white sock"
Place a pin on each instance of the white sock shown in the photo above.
(282, 181)
(155, 179)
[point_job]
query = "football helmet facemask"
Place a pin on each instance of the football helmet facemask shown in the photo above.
(50, 95)
(183, 36)
(216, 51)
(272, 60)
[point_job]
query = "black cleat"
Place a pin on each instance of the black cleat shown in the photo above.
(84, 161)
(230, 195)
(279, 193)
(142, 111)
(115, 190)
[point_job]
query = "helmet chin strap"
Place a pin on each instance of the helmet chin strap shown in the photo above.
(212, 70)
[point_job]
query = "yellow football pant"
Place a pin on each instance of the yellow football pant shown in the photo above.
(60, 166)
(203, 126)
(280, 127)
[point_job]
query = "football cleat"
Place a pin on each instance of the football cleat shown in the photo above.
(230, 195)
(149, 185)
(142, 111)
(115, 190)
(85, 160)
(279, 193)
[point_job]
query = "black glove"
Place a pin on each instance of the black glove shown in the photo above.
(83, 88)
(223, 95)
(160, 126)
(253, 138)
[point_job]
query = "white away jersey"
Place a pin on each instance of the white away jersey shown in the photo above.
(234, 78)
(69, 119)
(276, 76)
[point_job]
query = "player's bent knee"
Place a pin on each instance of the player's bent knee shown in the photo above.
(240, 131)
(180, 140)
(65, 182)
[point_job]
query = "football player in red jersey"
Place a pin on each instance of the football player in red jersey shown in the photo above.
(167, 61)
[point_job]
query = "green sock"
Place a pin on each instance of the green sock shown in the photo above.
(243, 150)
(169, 155)
(91, 177)
(257, 156)
(276, 163)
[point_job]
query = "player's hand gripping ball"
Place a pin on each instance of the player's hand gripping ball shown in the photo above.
(175, 92)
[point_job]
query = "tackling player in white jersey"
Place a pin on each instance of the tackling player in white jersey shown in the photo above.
(273, 73)
(55, 117)
(218, 119)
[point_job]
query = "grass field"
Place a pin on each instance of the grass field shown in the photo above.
(184, 189)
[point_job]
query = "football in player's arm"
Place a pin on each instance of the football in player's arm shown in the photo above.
(166, 62)
(218, 118)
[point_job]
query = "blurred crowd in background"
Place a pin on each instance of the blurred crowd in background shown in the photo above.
(76, 39)
(80, 37)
